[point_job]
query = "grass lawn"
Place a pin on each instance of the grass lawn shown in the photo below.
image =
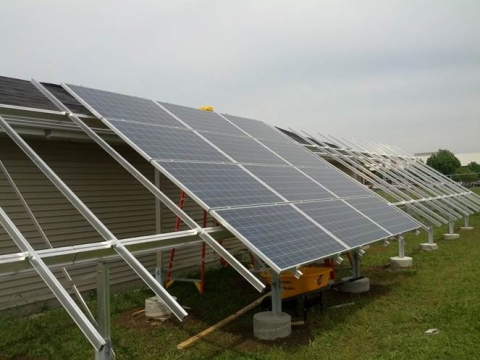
(441, 291)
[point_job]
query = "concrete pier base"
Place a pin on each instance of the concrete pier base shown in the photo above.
(428, 246)
(355, 287)
(450, 236)
(400, 262)
(270, 326)
(467, 228)
(157, 309)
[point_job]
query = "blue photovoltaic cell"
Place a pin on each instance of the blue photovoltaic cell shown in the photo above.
(117, 106)
(244, 149)
(389, 217)
(337, 182)
(219, 185)
(203, 120)
(290, 183)
(165, 143)
(295, 153)
(281, 234)
(257, 129)
(344, 222)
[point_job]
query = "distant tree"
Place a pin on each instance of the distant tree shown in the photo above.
(465, 175)
(444, 161)
(474, 167)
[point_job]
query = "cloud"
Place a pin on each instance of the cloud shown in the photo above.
(400, 72)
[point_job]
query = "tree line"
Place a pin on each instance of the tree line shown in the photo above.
(448, 164)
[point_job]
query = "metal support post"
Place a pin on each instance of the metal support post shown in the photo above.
(451, 231)
(276, 294)
(401, 261)
(158, 228)
(466, 226)
(103, 310)
(356, 264)
(159, 267)
(430, 234)
(401, 247)
(430, 245)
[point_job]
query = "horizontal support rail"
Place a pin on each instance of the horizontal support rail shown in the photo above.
(75, 255)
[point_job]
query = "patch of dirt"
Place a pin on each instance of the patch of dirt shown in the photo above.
(252, 345)
(136, 319)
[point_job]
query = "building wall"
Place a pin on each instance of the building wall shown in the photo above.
(124, 206)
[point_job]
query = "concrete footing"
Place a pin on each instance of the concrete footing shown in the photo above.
(450, 236)
(356, 287)
(400, 262)
(270, 326)
(467, 228)
(428, 246)
(157, 309)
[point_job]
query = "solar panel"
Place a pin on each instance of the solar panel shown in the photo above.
(290, 183)
(244, 149)
(387, 216)
(344, 222)
(118, 106)
(255, 128)
(337, 182)
(294, 153)
(203, 120)
(280, 234)
(219, 185)
(160, 142)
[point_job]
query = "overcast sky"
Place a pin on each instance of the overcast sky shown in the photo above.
(400, 72)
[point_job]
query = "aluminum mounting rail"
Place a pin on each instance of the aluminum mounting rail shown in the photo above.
(420, 186)
(370, 162)
(75, 255)
(364, 172)
(439, 177)
(136, 266)
(39, 229)
(415, 185)
(361, 169)
(49, 278)
(441, 186)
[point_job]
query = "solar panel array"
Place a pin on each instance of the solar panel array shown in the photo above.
(287, 205)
